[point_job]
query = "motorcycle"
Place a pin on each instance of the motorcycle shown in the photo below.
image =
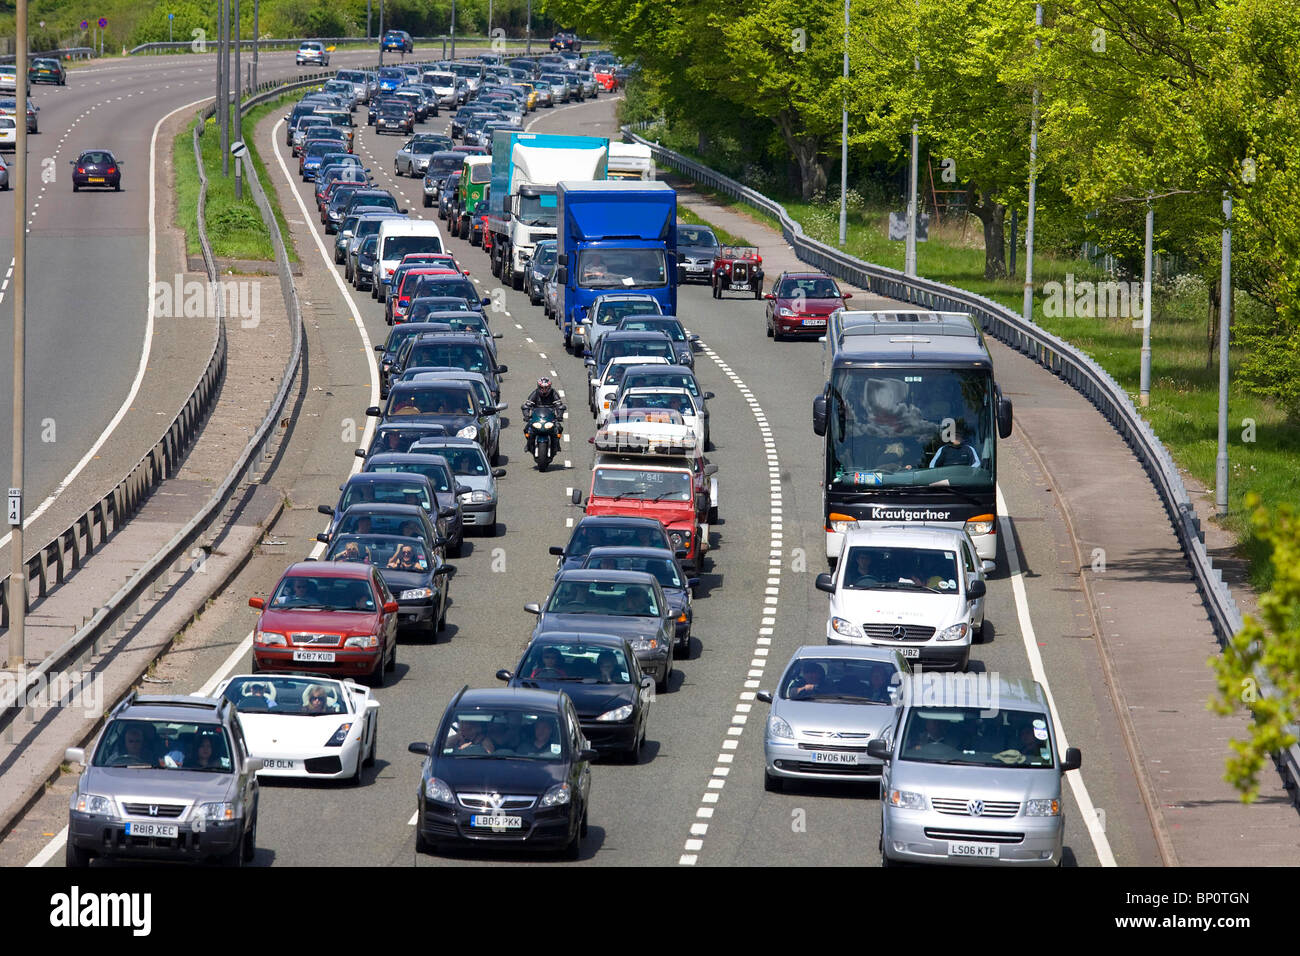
(545, 425)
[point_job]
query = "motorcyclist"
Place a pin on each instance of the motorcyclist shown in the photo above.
(543, 394)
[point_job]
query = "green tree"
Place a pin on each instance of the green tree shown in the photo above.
(1269, 647)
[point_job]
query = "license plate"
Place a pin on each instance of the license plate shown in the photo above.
(276, 763)
(316, 657)
(95, 179)
(169, 831)
(986, 851)
(740, 286)
(814, 321)
(912, 652)
(833, 757)
(486, 821)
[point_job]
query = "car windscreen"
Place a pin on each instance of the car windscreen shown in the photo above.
(467, 355)
(397, 246)
(672, 329)
(807, 289)
(611, 313)
(324, 592)
(664, 379)
(586, 537)
(388, 551)
(688, 236)
(616, 348)
(488, 733)
(575, 661)
(667, 401)
(423, 307)
(384, 493)
(287, 696)
(463, 459)
(603, 597)
(445, 286)
(379, 201)
(664, 569)
(544, 259)
(976, 737)
(644, 485)
(877, 568)
(424, 399)
(839, 680)
(397, 438)
(164, 744)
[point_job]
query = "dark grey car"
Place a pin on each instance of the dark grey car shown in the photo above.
(629, 604)
(170, 778)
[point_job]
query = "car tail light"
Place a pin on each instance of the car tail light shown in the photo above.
(81, 169)
(111, 170)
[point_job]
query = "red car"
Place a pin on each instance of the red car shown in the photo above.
(331, 617)
(801, 302)
(605, 77)
(397, 305)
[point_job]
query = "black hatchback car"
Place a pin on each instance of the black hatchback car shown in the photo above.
(418, 580)
(395, 117)
(96, 169)
(601, 675)
(611, 531)
(677, 587)
(508, 767)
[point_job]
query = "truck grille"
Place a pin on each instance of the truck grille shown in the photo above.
(897, 632)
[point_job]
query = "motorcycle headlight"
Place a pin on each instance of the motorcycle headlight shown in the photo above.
(269, 638)
(340, 736)
(438, 791)
(558, 796)
(845, 628)
(776, 727)
(94, 803)
(362, 640)
(216, 811)
(955, 633)
(906, 800)
(1042, 808)
(547, 426)
(469, 431)
(619, 713)
(415, 594)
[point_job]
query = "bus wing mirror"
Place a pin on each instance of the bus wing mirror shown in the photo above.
(1004, 418)
(819, 415)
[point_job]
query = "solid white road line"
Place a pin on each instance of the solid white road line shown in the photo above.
(1081, 796)
(148, 332)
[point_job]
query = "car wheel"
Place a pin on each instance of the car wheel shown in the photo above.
(981, 633)
(573, 849)
(427, 202)
(773, 784)
(374, 746)
(76, 857)
(376, 678)
(464, 229)
(117, 187)
(458, 549)
(249, 845)
(582, 827)
(355, 779)
(661, 686)
(442, 618)
(392, 663)
(422, 845)
(75, 188)
(768, 328)
(686, 647)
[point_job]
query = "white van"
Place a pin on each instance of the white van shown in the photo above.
(401, 237)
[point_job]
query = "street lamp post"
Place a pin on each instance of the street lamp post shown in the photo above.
(223, 87)
(1144, 376)
(844, 138)
(1225, 317)
(1028, 307)
(256, 41)
(18, 567)
(528, 31)
(453, 29)
(381, 32)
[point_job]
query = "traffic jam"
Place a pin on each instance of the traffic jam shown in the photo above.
(583, 228)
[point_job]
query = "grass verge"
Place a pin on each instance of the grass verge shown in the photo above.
(234, 226)
(1263, 446)
(725, 238)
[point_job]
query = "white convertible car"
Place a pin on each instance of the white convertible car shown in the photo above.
(306, 726)
(646, 431)
(658, 398)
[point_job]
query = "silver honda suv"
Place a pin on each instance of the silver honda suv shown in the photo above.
(170, 778)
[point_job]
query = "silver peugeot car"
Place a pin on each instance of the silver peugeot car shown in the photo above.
(831, 701)
(972, 774)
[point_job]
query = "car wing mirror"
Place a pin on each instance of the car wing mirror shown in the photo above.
(989, 566)
(764, 695)
(325, 510)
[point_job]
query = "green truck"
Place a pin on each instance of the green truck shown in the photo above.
(474, 179)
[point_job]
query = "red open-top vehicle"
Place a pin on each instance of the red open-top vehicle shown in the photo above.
(737, 269)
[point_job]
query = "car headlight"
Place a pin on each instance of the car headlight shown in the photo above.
(955, 633)
(645, 643)
(415, 594)
(558, 796)
(94, 803)
(469, 431)
(269, 638)
(845, 628)
(1042, 808)
(362, 640)
(479, 497)
(906, 800)
(776, 727)
(438, 791)
(983, 524)
(787, 313)
(619, 713)
(216, 811)
(340, 736)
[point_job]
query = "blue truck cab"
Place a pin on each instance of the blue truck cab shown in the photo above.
(615, 236)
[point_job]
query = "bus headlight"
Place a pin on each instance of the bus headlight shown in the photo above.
(980, 524)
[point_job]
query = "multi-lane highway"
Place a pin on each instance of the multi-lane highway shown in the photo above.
(697, 797)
